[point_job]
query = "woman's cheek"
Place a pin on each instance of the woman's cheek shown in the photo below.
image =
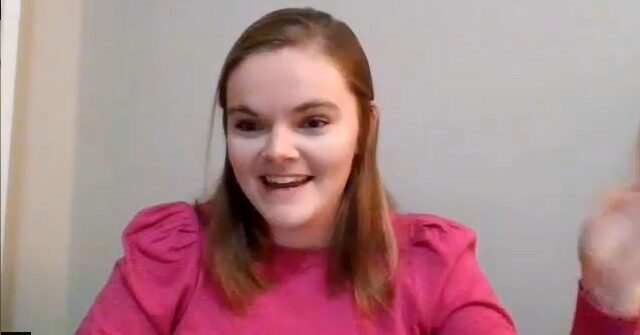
(332, 152)
(242, 154)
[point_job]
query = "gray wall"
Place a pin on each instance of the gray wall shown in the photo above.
(507, 116)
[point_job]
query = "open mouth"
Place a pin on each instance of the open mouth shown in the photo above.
(283, 182)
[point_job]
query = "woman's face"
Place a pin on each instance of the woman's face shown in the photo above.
(292, 127)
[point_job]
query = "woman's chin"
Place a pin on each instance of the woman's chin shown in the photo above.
(286, 220)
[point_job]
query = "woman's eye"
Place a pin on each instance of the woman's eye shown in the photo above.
(315, 123)
(247, 126)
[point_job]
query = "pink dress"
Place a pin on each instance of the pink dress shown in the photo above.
(161, 286)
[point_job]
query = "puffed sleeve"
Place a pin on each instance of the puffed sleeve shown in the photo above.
(151, 285)
(460, 297)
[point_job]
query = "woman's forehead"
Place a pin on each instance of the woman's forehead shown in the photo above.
(284, 79)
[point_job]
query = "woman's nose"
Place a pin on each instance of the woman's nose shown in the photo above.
(280, 146)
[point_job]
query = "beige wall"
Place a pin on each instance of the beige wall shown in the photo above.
(35, 280)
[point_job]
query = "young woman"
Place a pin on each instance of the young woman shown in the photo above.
(299, 237)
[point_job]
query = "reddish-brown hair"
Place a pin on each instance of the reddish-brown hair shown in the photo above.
(362, 250)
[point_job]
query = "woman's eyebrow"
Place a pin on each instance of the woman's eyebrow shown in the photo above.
(304, 107)
(241, 109)
(315, 104)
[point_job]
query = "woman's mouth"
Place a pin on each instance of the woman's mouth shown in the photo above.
(284, 181)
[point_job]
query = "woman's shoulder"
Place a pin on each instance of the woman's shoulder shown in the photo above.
(429, 230)
(435, 238)
(441, 275)
(153, 283)
(164, 233)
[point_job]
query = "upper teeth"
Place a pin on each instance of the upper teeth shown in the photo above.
(284, 179)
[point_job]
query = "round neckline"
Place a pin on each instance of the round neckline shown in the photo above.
(284, 262)
(281, 250)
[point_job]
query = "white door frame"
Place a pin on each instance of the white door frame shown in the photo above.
(9, 40)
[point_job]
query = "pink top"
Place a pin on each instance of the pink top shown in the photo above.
(161, 286)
